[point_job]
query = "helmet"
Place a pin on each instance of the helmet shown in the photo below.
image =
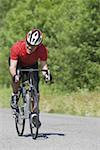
(34, 37)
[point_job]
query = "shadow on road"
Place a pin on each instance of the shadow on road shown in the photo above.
(46, 135)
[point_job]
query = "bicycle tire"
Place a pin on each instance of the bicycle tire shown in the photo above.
(19, 119)
(33, 129)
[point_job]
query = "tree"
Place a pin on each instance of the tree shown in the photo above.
(71, 33)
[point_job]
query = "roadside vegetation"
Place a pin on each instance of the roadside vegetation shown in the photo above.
(82, 103)
(71, 31)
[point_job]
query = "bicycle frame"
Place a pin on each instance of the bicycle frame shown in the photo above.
(29, 99)
(30, 90)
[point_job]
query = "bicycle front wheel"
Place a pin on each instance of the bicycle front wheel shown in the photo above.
(34, 103)
(33, 129)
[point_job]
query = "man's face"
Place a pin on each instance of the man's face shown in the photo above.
(30, 49)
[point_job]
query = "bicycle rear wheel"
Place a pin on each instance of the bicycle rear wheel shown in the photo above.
(20, 119)
(20, 125)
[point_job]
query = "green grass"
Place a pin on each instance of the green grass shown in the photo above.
(5, 94)
(82, 103)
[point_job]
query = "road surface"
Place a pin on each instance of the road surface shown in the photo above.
(58, 132)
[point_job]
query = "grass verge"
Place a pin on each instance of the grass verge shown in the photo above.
(5, 94)
(82, 103)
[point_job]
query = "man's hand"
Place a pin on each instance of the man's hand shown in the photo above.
(47, 76)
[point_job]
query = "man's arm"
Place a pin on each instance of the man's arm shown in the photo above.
(46, 73)
(44, 65)
(12, 68)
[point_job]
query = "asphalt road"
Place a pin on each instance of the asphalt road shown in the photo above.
(58, 132)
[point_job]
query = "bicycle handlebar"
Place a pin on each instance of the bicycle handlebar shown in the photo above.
(30, 70)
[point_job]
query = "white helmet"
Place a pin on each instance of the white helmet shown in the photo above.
(34, 37)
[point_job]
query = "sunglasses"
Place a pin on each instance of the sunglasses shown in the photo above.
(30, 48)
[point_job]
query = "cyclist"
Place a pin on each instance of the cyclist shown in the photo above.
(26, 53)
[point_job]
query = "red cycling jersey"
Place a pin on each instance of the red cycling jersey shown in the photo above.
(18, 52)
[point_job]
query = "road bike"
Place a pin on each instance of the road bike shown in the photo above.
(27, 101)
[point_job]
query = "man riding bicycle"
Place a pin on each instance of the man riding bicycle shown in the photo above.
(25, 54)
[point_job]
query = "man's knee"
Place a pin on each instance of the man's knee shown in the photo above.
(15, 87)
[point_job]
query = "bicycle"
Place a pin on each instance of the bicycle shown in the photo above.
(27, 101)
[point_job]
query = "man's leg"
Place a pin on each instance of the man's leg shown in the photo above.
(35, 115)
(15, 87)
(36, 84)
(14, 97)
